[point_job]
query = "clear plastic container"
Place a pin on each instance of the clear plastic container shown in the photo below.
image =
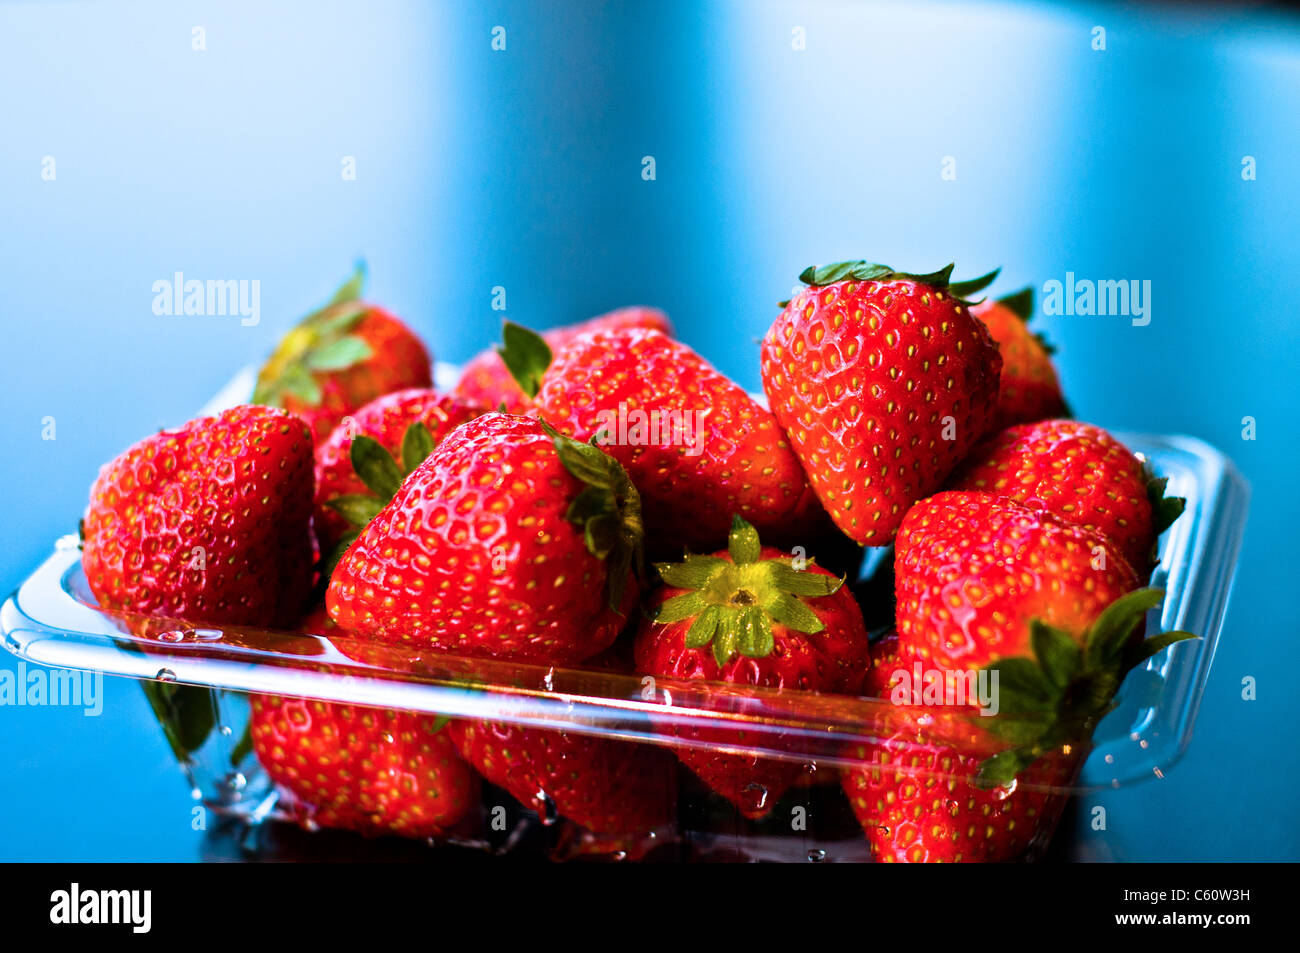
(52, 619)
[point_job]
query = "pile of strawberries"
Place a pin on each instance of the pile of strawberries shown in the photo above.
(511, 519)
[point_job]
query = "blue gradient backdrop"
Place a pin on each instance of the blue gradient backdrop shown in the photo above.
(522, 169)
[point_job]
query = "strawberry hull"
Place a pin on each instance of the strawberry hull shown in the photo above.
(200, 678)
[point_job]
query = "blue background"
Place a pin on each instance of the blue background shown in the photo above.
(522, 169)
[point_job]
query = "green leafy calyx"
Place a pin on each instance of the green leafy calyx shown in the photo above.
(819, 276)
(734, 603)
(1020, 303)
(382, 476)
(319, 343)
(607, 510)
(1058, 695)
(1164, 509)
(526, 356)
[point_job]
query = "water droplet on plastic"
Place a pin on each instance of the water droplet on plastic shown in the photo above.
(309, 823)
(758, 795)
(196, 794)
(238, 781)
(172, 637)
(816, 855)
(548, 812)
(207, 635)
(810, 768)
(165, 675)
(1110, 759)
(225, 730)
(549, 680)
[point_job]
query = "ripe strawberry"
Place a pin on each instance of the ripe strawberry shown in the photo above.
(696, 445)
(370, 770)
(486, 381)
(1029, 389)
(1082, 475)
(883, 381)
(611, 787)
(746, 616)
(339, 359)
(208, 523)
(508, 541)
(915, 791)
(983, 582)
(362, 463)
(914, 799)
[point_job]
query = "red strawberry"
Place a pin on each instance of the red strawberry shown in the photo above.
(208, 523)
(364, 769)
(983, 582)
(916, 803)
(485, 380)
(883, 381)
(747, 616)
(1029, 389)
(611, 787)
(362, 463)
(696, 445)
(915, 792)
(339, 359)
(886, 659)
(971, 571)
(508, 541)
(1082, 475)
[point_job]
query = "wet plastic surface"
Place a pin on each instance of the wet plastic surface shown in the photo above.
(53, 620)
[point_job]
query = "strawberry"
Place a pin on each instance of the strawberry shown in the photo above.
(746, 616)
(339, 359)
(610, 787)
(1080, 474)
(362, 463)
(370, 770)
(914, 791)
(208, 523)
(883, 381)
(363, 769)
(696, 445)
(508, 541)
(485, 380)
(915, 803)
(982, 582)
(1029, 389)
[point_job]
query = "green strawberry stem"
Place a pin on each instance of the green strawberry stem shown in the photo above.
(735, 602)
(319, 342)
(383, 476)
(1060, 694)
(1020, 303)
(819, 276)
(608, 510)
(187, 714)
(1164, 509)
(526, 356)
